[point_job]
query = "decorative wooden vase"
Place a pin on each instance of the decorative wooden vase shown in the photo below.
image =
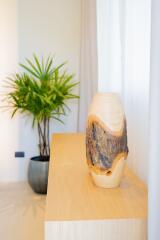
(106, 140)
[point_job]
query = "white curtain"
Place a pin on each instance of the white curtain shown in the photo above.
(137, 83)
(110, 28)
(115, 57)
(154, 163)
(88, 68)
(123, 29)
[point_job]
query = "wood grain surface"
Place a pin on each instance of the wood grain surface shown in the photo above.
(73, 196)
(122, 229)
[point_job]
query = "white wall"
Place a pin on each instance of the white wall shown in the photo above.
(124, 66)
(8, 63)
(44, 27)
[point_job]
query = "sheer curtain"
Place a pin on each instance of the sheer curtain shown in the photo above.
(115, 57)
(110, 35)
(88, 67)
(102, 55)
(123, 29)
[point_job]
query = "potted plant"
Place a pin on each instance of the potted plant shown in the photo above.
(41, 91)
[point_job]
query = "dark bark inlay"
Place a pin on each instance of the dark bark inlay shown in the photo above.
(102, 147)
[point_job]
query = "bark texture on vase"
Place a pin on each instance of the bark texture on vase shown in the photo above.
(106, 140)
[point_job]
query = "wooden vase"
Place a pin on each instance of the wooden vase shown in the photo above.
(106, 140)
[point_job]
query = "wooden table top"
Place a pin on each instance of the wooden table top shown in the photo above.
(73, 196)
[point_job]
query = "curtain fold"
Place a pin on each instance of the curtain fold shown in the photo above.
(110, 28)
(88, 62)
(123, 66)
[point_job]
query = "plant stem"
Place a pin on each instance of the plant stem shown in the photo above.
(40, 139)
(48, 136)
(43, 133)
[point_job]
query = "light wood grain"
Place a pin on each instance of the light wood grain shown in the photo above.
(106, 109)
(122, 229)
(72, 194)
(106, 140)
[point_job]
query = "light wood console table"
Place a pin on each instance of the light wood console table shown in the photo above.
(78, 210)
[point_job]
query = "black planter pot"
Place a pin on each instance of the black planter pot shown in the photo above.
(38, 174)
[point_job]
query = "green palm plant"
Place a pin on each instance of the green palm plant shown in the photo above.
(41, 91)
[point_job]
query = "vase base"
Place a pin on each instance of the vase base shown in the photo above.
(110, 179)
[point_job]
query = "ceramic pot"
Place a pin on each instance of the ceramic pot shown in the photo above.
(106, 140)
(38, 174)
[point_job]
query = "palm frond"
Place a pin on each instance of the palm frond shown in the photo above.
(41, 91)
